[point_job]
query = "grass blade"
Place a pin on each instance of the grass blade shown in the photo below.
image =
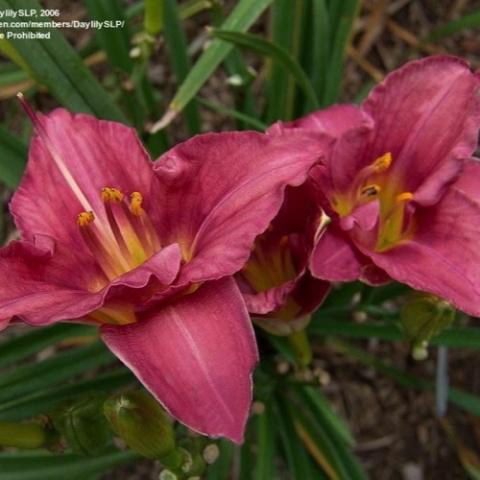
(14, 350)
(13, 158)
(343, 30)
(266, 443)
(465, 400)
(459, 25)
(242, 17)
(52, 371)
(320, 46)
(246, 119)
(47, 399)
(177, 47)
(47, 466)
(297, 458)
(278, 54)
(114, 41)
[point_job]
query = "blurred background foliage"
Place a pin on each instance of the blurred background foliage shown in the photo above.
(364, 408)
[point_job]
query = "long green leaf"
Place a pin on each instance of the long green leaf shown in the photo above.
(13, 157)
(465, 400)
(281, 31)
(177, 46)
(320, 47)
(47, 399)
(14, 350)
(278, 54)
(331, 434)
(297, 458)
(459, 25)
(242, 17)
(266, 443)
(47, 466)
(56, 64)
(347, 13)
(455, 337)
(63, 366)
(319, 404)
(246, 119)
(114, 41)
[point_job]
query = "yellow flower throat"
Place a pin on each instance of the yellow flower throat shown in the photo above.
(374, 183)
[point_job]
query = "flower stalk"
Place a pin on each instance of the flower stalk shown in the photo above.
(302, 349)
(23, 435)
(153, 21)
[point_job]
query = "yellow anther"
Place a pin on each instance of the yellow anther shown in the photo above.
(110, 194)
(136, 200)
(382, 163)
(404, 197)
(85, 218)
(370, 190)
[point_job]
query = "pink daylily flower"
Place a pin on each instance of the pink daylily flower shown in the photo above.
(278, 289)
(147, 251)
(401, 184)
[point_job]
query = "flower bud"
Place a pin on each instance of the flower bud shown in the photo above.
(141, 422)
(83, 425)
(423, 316)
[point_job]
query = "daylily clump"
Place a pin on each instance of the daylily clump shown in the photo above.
(401, 184)
(169, 257)
(146, 251)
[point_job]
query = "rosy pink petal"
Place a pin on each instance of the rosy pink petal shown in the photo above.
(196, 357)
(40, 289)
(95, 154)
(443, 257)
(27, 291)
(335, 258)
(334, 121)
(427, 114)
(222, 190)
(269, 300)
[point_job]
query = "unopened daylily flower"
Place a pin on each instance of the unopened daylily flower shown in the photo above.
(278, 289)
(401, 184)
(147, 251)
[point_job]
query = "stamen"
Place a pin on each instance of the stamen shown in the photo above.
(136, 200)
(125, 234)
(85, 218)
(142, 224)
(95, 245)
(110, 194)
(382, 163)
(370, 190)
(404, 197)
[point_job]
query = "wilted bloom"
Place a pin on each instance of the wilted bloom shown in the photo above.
(146, 252)
(277, 287)
(401, 185)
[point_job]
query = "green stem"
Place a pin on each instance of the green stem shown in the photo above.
(153, 21)
(301, 347)
(22, 435)
(175, 460)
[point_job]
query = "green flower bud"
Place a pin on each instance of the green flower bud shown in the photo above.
(423, 316)
(83, 425)
(141, 422)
